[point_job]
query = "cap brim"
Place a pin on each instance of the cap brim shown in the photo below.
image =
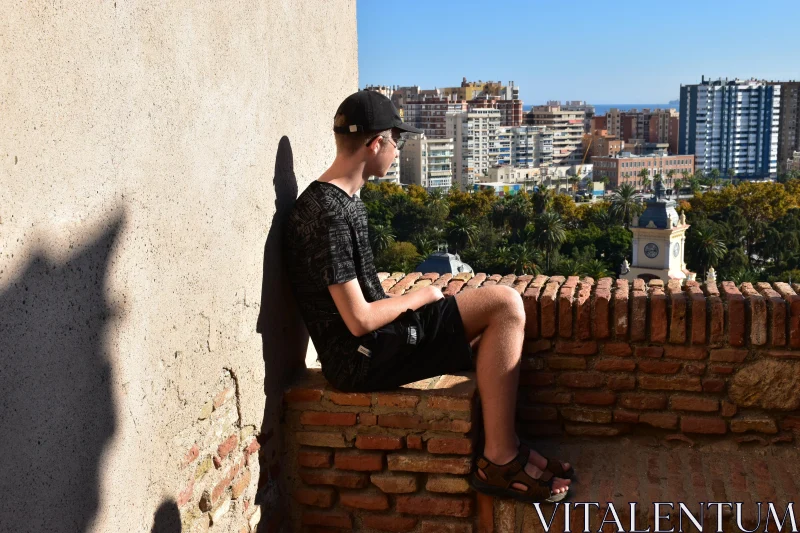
(410, 129)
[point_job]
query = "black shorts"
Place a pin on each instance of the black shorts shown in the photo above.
(420, 344)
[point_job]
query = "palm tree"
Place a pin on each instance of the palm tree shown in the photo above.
(550, 234)
(462, 231)
(731, 174)
(623, 204)
(542, 199)
(574, 180)
(671, 177)
(425, 246)
(707, 246)
(523, 259)
(644, 175)
(714, 177)
(381, 237)
(694, 183)
(568, 267)
(677, 185)
(658, 179)
(595, 269)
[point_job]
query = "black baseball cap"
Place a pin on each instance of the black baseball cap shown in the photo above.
(367, 111)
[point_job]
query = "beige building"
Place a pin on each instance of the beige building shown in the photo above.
(626, 168)
(151, 151)
(567, 127)
(789, 126)
(473, 133)
(427, 162)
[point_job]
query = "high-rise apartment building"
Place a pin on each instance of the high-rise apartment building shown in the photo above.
(655, 126)
(789, 123)
(473, 133)
(427, 162)
(579, 105)
(567, 127)
(470, 90)
(731, 125)
(428, 113)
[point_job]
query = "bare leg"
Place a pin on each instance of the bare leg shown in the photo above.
(497, 315)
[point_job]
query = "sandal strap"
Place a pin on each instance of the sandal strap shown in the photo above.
(507, 475)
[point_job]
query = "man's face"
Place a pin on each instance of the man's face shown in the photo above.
(387, 152)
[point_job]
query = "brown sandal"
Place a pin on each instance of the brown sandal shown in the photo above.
(554, 466)
(500, 481)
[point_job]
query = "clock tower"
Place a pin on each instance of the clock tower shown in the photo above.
(659, 236)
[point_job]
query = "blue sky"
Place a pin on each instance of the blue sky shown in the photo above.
(622, 52)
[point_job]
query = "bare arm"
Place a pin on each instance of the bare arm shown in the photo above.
(361, 316)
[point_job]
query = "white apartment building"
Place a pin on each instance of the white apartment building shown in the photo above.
(567, 127)
(731, 125)
(473, 132)
(427, 162)
(392, 175)
(578, 105)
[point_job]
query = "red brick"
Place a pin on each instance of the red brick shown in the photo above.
(736, 313)
(460, 506)
(419, 462)
(537, 379)
(686, 383)
(533, 346)
(395, 483)
(401, 421)
(318, 496)
(584, 380)
(727, 408)
(537, 413)
(583, 314)
(717, 320)
(677, 326)
(728, 355)
(350, 398)
(721, 369)
(314, 458)
(223, 484)
(713, 385)
(617, 349)
(659, 420)
(361, 461)
(185, 496)
(594, 430)
(227, 446)
(790, 423)
(565, 311)
(694, 353)
(595, 397)
(414, 442)
(698, 307)
(621, 382)
(530, 301)
(600, 307)
(576, 347)
(453, 287)
(696, 424)
(319, 418)
(659, 367)
(621, 309)
(192, 454)
(445, 527)
(450, 404)
(695, 369)
(240, 485)
(650, 351)
(372, 501)
(638, 329)
(615, 365)
(347, 480)
(593, 416)
(397, 400)
(367, 419)
(761, 425)
(547, 310)
(378, 442)
(658, 317)
(693, 403)
(627, 417)
(566, 363)
(301, 395)
(338, 519)
(643, 401)
(551, 397)
(393, 523)
(452, 446)
(456, 426)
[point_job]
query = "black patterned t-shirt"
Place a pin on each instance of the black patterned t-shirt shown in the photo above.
(327, 242)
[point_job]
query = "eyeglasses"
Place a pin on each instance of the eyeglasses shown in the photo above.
(397, 143)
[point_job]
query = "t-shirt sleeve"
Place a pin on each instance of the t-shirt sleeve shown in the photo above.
(334, 254)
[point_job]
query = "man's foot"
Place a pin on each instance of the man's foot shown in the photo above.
(539, 461)
(559, 485)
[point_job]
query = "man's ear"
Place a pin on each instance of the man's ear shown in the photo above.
(375, 145)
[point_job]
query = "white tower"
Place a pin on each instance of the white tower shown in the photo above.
(659, 236)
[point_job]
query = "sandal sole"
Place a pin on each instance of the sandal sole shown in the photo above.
(479, 485)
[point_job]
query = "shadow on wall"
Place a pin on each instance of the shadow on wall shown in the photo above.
(167, 518)
(56, 406)
(283, 334)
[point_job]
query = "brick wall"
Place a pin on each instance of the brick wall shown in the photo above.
(220, 466)
(601, 359)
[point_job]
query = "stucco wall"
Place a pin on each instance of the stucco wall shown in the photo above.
(140, 172)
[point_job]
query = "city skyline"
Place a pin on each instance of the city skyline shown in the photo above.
(448, 42)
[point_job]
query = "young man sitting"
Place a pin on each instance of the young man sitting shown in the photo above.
(369, 342)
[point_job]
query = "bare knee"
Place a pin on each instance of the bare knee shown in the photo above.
(509, 306)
